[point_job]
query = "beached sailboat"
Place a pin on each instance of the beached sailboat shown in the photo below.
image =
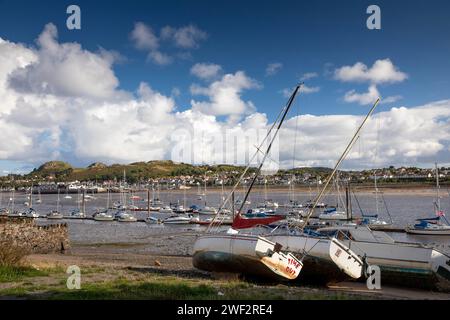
(325, 257)
(401, 263)
(246, 253)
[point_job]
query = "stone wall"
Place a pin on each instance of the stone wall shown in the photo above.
(35, 239)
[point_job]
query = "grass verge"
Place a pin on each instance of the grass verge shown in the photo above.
(17, 273)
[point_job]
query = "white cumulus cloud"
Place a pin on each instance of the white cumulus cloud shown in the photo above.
(363, 98)
(145, 39)
(382, 71)
(43, 120)
(65, 69)
(308, 75)
(187, 37)
(224, 96)
(273, 68)
(206, 71)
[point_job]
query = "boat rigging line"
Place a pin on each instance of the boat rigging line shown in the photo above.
(275, 127)
(336, 167)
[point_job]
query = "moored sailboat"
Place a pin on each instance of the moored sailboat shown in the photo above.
(438, 225)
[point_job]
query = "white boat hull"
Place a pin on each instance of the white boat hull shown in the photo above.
(328, 259)
(333, 217)
(244, 254)
(103, 218)
(177, 221)
(59, 217)
(407, 264)
(437, 232)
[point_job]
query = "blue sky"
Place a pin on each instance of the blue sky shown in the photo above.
(302, 36)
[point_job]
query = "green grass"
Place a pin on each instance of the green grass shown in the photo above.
(167, 289)
(10, 274)
(126, 290)
(126, 285)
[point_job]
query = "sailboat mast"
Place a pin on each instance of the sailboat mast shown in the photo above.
(30, 202)
(13, 200)
(376, 191)
(107, 197)
(281, 115)
(148, 202)
(84, 202)
(438, 200)
(57, 202)
(348, 202)
(344, 154)
(269, 147)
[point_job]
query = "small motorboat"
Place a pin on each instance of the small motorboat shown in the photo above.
(178, 219)
(207, 211)
(125, 217)
(429, 226)
(54, 214)
(166, 209)
(31, 213)
(333, 214)
(103, 216)
(152, 220)
(373, 221)
(77, 214)
(179, 209)
(259, 213)
(194, 208)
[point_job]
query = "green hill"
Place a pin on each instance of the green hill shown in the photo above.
(134, 172)
(53, 168)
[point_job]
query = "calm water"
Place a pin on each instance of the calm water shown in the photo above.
(404, 208)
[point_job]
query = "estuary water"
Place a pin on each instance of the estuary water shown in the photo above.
(404, 208)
